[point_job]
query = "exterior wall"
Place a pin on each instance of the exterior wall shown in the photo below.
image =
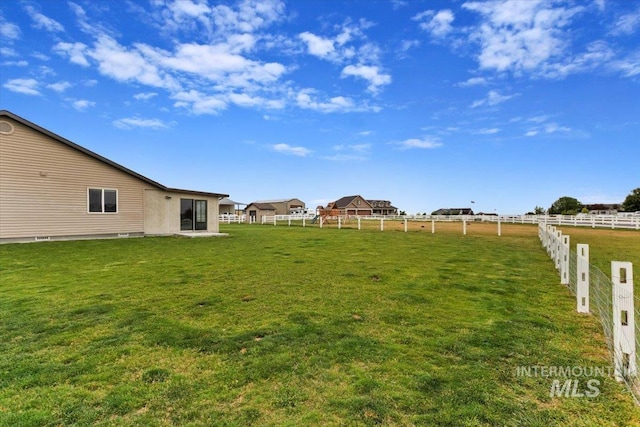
(227, 209)
(162, 211)
(362, 208)
(284, 208)
(259, 212)
(43, 190)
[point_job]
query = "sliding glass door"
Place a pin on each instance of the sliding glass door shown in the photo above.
(193, 214)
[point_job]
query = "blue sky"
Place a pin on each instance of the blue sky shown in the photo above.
(507, 103)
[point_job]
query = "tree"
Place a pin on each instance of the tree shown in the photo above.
(565, 206)
(539, 210)
(632, 202)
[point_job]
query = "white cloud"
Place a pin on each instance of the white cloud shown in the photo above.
(144, 96)
(493, 98)
(9, 31)
(538, 119)
(424, 143)
(355, 152)
(549, 128)
(43, 22)
(628, 66)
(8, 52)
(473, 81)
(409, 44)
(627, 24)
(555, 128)
(124, 64)
(24, 86)
(370, 73)
(436, 23)
(288, 149)
(488, 131)
(199, 103)
(189, 8)
(76, 52)
(15, 63)
(520, 35)
(304, 99)
(597, 53)
(82, 104)
(136, 122)
(60, 86)
(318, 46)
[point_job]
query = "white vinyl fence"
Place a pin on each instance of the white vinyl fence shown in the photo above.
(620, 221)
(611, 299)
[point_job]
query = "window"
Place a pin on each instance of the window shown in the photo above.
(102, 200)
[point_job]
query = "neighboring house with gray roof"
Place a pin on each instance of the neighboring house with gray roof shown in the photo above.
(284, 206)
(453, 211)
(255, 211)
(383, 207)
(352, 205)
(229, 207)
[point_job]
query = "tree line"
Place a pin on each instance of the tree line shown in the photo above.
(571, 206)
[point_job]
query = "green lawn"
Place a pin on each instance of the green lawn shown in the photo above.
(295, 326)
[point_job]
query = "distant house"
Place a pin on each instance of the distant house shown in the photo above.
(453, 211)
(603, 208)
(284, 206)
(229, 207)
(352, 205)
(255, 211)
(52, 188)
(383, 207)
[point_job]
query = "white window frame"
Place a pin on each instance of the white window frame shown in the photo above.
(102, 190)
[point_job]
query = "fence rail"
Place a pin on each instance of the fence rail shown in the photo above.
(611, 299)
(621, 221)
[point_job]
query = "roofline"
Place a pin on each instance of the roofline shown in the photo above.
(201, 193)
(98, 156)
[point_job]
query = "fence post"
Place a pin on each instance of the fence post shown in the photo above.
(582, 286)
(558, 248)
(550, 234)
(289, 222)
(564, 260)
(303, 222)
(320, 222)
(274, 220)
(339, 223)
(464, 227)
(405, 225)
(381, 224)
(624, 340)
(500, 228)
(433, 226)
(358, 223)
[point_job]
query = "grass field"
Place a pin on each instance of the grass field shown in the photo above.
(299, 326)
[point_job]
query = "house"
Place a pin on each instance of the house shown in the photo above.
(255, 211)
(603, 208)
(52, 188)
(352, 205)
(284, 206)
(453, 211)
(229, 207)
(383, 207)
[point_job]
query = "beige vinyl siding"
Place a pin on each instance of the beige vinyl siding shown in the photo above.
(43, 189)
